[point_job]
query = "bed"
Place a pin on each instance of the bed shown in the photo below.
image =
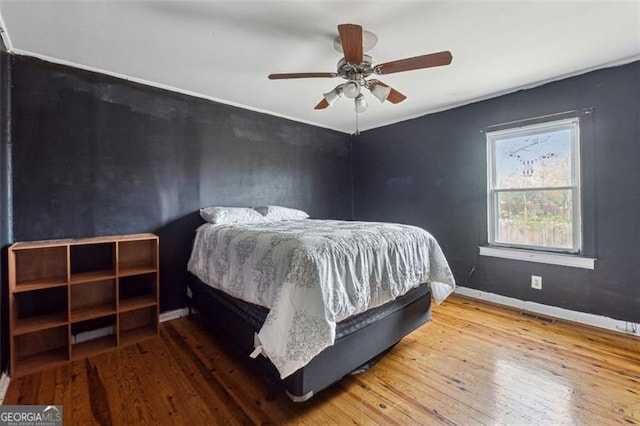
(314, 300)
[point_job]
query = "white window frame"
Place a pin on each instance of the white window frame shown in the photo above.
(572, 124)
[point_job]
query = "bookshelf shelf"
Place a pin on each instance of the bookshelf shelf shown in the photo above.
(59, 288)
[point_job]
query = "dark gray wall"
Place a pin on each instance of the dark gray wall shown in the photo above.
(95, 155)
(431, 172)
(5, 204)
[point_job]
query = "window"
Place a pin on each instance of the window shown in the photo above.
(534, 187)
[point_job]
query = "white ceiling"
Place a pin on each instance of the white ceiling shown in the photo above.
(224, 50)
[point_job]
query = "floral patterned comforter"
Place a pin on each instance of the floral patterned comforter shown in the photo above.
(312, 274)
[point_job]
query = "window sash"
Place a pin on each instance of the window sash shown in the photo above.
(498, 241)
(492, 192)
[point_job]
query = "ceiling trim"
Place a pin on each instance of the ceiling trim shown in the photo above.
(538, 83)
(312, 123)
(4, 34)
(64, 62)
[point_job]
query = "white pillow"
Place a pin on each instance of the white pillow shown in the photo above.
(219, 215)
(281, 213)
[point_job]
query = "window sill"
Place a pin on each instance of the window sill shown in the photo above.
(539, 257)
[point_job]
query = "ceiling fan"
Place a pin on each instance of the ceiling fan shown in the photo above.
(355, 67)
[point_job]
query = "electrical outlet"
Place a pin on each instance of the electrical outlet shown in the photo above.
(536, 282)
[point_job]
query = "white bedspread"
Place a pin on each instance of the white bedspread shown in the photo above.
(314, 273)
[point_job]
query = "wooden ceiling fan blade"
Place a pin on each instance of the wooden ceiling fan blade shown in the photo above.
(418, 62)
(302, 75)
(394, 96)
(351, 40)
(322, 104)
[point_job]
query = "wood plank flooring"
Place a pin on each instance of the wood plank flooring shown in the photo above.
(474, 363)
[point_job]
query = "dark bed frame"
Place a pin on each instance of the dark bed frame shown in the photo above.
(360, 340)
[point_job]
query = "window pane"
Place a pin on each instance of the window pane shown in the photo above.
(534, 161)
(535, 218)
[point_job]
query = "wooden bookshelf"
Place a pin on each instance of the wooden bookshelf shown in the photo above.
(63, 290)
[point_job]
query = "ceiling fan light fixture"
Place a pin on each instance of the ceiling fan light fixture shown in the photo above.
(333, 96)
(360, 103)
(351, 89)
(380, 92)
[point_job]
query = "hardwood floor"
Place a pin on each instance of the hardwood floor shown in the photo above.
(474, 363)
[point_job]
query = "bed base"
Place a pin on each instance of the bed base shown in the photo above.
(356, 347)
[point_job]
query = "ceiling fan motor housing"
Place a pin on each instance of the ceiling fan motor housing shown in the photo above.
(355, 72)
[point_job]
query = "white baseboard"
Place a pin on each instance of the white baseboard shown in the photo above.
(93, 334)
(175, 314)
(4, 385)
(553, 311)
(110, 330)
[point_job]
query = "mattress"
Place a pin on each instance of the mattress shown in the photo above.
(255, 315)
(313, 274)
